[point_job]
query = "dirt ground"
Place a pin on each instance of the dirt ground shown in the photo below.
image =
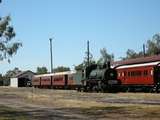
(42, 104)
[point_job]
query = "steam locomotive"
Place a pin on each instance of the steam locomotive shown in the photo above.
(100, 78)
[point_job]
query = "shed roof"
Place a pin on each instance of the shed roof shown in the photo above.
(23, 72)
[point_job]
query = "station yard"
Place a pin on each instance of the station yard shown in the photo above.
(40, 104)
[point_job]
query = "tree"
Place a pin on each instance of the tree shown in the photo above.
(105, 57)
(153, 45)
(12, 73)
(153, 48)
(7, 33)
(131, 54)
(84, 64)
(9, 74)
(61, 69)
(42, 70)
(79, 67)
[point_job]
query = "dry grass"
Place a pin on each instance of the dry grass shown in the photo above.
(86, 105)
(64, 98)
(61, 101)
(9, 113)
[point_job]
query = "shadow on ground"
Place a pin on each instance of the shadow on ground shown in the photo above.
(94, 113)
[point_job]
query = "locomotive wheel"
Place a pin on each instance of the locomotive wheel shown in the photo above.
(128, 89)
(95, 89)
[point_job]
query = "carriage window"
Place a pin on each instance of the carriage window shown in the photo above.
(134, 73)
(151, 72)
(125, 73)
(58, 79)
(145, 73)
(119, 74)
(122, 74)
(139, 73)
(129, 73)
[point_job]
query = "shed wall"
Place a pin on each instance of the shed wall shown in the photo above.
(14, 82)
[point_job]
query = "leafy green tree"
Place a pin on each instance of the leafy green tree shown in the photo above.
(61, 69)
(7, 33)
(12, 73)
(79, 67)
(131, 54)
(105, 57)
(42, 70)
(153, 48)
(153, 45)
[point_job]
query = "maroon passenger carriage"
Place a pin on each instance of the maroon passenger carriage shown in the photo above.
(140, 74)
(60, 80)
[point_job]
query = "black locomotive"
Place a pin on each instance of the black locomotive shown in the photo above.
(100, 78)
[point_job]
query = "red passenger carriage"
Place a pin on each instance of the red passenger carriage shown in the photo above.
(140, 73)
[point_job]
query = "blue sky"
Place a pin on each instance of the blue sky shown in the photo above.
(114, 24)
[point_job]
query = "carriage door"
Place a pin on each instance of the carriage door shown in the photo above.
(157, 74)
(65, 80)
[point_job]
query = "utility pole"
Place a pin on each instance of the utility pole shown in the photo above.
(50, 39)
(88, 52)
(144, 51)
